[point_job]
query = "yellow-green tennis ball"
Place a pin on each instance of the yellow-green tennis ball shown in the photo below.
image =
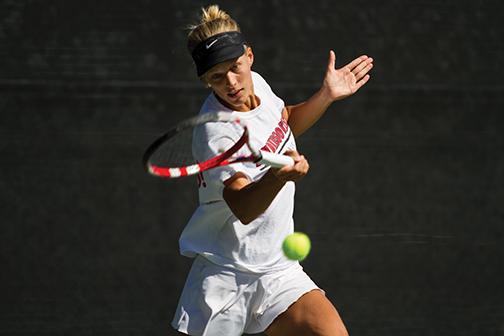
(296, 246)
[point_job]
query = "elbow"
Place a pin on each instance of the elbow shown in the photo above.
(243, 217)
(246, 220)
(243, 214)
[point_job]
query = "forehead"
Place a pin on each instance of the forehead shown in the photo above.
(224, 66)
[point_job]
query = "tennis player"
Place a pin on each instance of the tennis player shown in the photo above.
(240, 281)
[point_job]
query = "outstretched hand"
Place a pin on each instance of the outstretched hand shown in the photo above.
(343, 82)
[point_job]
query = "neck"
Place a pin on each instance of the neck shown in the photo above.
(251, 103)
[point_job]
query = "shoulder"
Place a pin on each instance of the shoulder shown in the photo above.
(264, 91)
(260, 84)
(216, 134)
(209, 132)
(212, 105)
(259, 81)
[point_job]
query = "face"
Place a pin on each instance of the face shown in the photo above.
(232, 82)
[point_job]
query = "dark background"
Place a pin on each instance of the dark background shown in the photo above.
(404, 200)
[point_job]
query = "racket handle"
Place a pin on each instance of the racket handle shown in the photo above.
(276, 160)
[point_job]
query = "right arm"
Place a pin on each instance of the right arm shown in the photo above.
(248, 200)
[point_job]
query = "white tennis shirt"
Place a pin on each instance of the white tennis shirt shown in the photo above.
(213, 231)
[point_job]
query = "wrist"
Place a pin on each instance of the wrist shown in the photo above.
(325, 96)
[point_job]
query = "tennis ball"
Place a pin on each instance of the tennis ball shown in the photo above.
(296, 246)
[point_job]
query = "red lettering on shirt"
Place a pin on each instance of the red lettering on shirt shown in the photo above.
(276, 137)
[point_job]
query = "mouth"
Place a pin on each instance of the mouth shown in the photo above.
(234, 94)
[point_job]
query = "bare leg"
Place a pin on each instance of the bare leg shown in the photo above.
(313, 314)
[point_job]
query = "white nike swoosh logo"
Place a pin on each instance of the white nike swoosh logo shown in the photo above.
(208, 46)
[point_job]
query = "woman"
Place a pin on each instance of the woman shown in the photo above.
(240, 281)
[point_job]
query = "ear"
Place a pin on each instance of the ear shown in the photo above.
(250, 56)
(205, 82)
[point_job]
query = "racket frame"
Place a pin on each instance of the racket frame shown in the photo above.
(223, 159)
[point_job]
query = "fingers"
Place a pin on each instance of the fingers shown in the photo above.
(331, 64)
(360, 65)
(295, 172)
(356, 62)
(360, 83)
(293, 154)
(361, 70)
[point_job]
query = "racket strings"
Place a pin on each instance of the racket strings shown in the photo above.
(175, 151)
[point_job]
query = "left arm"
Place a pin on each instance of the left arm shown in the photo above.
(338, 84)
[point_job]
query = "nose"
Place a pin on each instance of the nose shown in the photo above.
(230, 79)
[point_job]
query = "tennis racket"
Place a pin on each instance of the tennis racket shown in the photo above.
(170, 155)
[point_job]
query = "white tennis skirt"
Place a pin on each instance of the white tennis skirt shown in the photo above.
(219, 301)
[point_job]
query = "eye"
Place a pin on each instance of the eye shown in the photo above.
(215, 77)
(235, 67)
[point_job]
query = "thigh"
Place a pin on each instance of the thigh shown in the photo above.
(211, 302)
(312, 314)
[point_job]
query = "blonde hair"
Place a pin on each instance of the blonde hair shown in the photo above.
(213, 21)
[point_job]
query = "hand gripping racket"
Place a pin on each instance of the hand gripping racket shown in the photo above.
(169, 156)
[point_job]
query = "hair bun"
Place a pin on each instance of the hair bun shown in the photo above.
(212, 13)
(213, 21)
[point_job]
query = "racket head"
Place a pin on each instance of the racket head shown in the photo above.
(170, 155)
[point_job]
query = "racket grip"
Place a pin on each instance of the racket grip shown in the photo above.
(276, 160)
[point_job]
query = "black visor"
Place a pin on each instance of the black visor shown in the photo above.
(217, 49)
